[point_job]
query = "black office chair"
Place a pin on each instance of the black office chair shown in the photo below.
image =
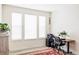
(50, 40)
(59, 43)
(55, 42)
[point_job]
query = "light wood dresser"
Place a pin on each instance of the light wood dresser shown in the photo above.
(4, 45)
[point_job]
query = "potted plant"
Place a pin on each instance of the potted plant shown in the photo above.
(63, 34)
(4, 28)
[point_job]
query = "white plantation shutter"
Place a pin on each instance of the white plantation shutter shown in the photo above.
(42, 26)
(16, 26)
(30, 26)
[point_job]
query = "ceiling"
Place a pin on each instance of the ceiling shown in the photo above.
(43, 7)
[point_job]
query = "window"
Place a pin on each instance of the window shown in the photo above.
(16, 26)
(42, 26)
(30, 27)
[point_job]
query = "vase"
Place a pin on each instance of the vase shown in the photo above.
(4, 33)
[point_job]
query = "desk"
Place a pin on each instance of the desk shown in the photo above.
(68, 41)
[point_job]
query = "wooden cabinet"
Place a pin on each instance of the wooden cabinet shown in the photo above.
(4, 45)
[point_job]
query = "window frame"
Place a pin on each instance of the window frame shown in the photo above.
(23, 27)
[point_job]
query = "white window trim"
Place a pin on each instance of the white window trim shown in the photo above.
(23, 30)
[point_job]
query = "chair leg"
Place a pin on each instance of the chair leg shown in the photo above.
(59, 49)
(62, 51)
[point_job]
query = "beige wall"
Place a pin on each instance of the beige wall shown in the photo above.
(66, 17)
(0, 11)
(26, 44)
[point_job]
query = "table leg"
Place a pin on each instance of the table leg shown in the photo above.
(67, 47)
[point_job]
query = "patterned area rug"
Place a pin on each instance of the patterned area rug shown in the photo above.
(48, 51)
